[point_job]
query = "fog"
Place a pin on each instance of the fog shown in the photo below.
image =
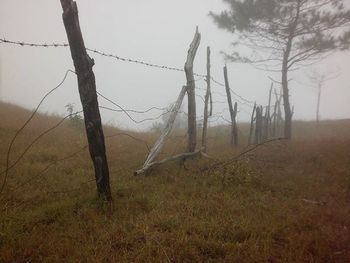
(155, 31)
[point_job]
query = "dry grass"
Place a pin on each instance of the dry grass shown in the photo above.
(251, 211)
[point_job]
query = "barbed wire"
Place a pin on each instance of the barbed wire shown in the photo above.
(128, 60)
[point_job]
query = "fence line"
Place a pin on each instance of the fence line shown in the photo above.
(243, 101)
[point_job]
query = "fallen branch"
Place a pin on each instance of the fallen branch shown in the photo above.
(182, 156)
(238, 156)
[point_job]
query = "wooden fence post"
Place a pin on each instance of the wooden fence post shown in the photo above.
(275, 118)
(207, 97)
(268, 114)
(87, 89)
(192, 124)
(235, 129)
(229, 100)
(257, 125)
(251, 126)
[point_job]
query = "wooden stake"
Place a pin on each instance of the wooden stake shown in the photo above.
(229, 100)
(251, 126)
(268, 114)
(235, 129)
(207, 96)
(257, 126)
(192, 124)
(87, 89)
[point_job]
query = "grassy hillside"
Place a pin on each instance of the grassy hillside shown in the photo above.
(284, 202)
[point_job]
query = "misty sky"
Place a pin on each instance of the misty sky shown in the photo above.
(156, 31)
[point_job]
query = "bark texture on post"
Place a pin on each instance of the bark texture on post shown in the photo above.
(192, 123)
(87, 89)
(158, 146)
(230, 106)
(206, 102)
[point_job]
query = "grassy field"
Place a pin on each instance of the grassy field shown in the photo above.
(284, 202)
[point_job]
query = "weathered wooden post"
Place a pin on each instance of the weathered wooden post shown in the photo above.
(230, 106)
(251, 126)
(268, 114)
(192, 124)
(275, 119)
(257, 125)
(207, 97)
(87, 89)
(235, 129)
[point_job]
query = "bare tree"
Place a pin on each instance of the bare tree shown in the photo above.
(318, 81)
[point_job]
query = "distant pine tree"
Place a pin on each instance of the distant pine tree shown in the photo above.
(284, 34)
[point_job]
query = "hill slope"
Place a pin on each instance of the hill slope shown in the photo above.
(282, 203)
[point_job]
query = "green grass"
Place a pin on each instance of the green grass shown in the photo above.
(250, 211)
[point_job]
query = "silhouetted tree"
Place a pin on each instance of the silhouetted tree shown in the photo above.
(285, 34)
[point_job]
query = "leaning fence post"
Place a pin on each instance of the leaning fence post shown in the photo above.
(229, 100)
(158, 146)
(207, 97)
(192, 124)
(87, 89)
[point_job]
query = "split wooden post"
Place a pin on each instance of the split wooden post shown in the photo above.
(232, 112)
(252, 125)
(207, 97)
(87, 89)
(192, 124)
(158, 146)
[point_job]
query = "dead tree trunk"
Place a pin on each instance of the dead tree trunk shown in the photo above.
(192, 124)
(232, 112)
(251, 126)
(158, 146)
(87, 89)
(207, 97)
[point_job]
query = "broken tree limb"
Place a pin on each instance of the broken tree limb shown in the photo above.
(87, 90)
(206, 102)
(192, 123)
(158, 146)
